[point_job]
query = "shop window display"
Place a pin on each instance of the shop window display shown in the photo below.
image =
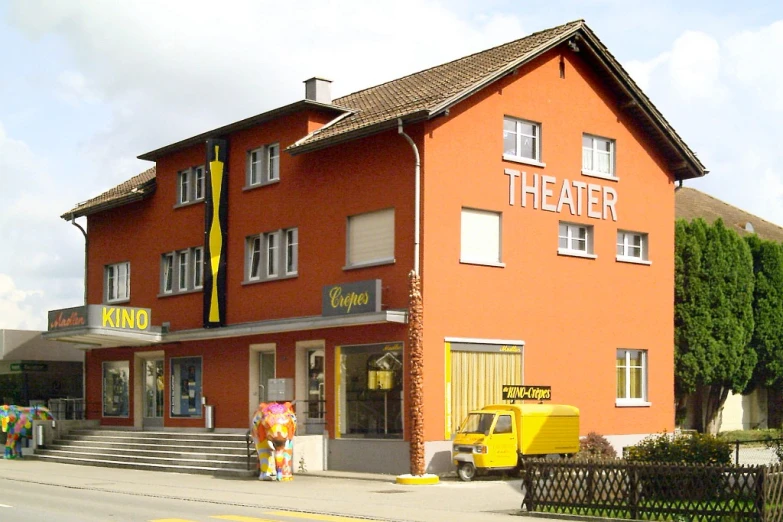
(186, 387)
(371, 391)
(115, 388)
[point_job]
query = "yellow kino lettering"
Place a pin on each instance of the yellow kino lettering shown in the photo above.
(512, 349)
(127, 318)
(349, 300)
(527, 392)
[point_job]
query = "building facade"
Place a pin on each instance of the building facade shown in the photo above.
(531, 187)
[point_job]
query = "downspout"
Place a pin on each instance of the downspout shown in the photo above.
(417, 199)
(84, 355)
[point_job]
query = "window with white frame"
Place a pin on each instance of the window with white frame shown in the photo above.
(631, 377)
(597, 156)
(480, 237)
(117, 282)
(575, 239)
(632, 246)
(521, 140)
(370, 238)
(191, 185)
(182, 271)
(272, 255)
(263, 165)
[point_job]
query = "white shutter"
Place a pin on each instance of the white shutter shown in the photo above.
(371, 237)
(480, 236)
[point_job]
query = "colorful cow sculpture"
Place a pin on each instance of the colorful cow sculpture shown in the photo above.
(273, 428)
(17, 423)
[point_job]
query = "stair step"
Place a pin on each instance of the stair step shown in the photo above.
(171, 468)
(124, 446)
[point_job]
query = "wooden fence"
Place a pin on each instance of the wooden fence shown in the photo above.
(654, 491)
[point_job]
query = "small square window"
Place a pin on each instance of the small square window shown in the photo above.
(631, 377)
(521, 141)
(480, 237)
(117, 282)
(191, 185)
(597, 156)
(632, 246)
(263, 165)
(575, 239)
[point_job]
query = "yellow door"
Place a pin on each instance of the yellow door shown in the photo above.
(502, 443)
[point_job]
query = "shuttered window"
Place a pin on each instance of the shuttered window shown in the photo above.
(371, 238)
(480, 237)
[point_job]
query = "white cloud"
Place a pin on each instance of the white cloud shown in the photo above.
(753, 59)
(17, 309)
(641, 71)
(73, 88)
(694, 67)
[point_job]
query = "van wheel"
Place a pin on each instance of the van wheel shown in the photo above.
(466, 471)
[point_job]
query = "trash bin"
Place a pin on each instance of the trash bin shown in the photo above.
(209, 416)
(39, 435)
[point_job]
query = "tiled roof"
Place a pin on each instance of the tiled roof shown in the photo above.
(135, 189)
(427, 91)
(691, 204)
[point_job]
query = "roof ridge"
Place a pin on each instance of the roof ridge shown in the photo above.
(730, 205)
(579, 22)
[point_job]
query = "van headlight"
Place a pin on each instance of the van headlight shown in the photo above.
(478, 448)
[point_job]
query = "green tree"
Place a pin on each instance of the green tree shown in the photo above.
(713, 317)
(767, 339)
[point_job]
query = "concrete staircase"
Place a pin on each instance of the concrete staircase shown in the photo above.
(221, 454)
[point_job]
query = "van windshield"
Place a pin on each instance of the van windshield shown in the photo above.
(478, 423)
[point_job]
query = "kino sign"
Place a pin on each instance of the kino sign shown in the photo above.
(101, 316)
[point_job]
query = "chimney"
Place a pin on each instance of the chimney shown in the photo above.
(318, 89)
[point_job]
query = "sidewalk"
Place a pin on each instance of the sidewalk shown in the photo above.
(338, 493)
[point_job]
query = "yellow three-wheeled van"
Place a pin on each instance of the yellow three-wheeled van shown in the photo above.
(498, 436)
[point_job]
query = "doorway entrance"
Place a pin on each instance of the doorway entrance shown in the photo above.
(152, 416)
(262, 368)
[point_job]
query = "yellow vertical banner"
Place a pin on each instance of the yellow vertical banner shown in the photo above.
(215, 223)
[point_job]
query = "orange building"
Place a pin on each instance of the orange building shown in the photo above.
(530, 185)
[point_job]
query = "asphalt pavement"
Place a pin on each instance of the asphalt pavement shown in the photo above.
(357, 495)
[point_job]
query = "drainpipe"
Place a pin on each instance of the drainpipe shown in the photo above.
(417, 203)
(84, 355)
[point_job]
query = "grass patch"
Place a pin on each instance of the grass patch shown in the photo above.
(750, 435)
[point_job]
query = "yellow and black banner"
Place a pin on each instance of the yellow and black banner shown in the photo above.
(514, 392)
(215, 227)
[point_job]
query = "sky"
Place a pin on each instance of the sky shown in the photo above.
(89, 85)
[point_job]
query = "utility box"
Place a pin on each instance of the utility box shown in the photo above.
(280, 390)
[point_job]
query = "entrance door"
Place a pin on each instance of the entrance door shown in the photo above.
(266, 371)
(316, 392)
(153, 394)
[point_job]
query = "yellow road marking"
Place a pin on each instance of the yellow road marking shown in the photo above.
(171, 520)
(237, 518)
(313, 516)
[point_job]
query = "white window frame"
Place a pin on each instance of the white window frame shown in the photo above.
(117, 282)
(593, 154)
(628, 252)
(191, 185)
(266, 255)
(520, 136)
(370, 239)
(182, 271)
(569, 233)
(481, 237)
(262, 166)
(626, 399)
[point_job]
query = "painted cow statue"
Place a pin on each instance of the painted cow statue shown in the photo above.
(273, 428)
(17, 423)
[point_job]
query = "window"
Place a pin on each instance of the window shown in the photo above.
(631, 377)
(266, 264)
(115, 388)
(521, 141)
(370, 238)
(597, 156)
(118, 282)
(191, 186)
(575, 240)
(480, 234)
(263, 165)
(182, 271)
(632, 247)
(185, 386)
